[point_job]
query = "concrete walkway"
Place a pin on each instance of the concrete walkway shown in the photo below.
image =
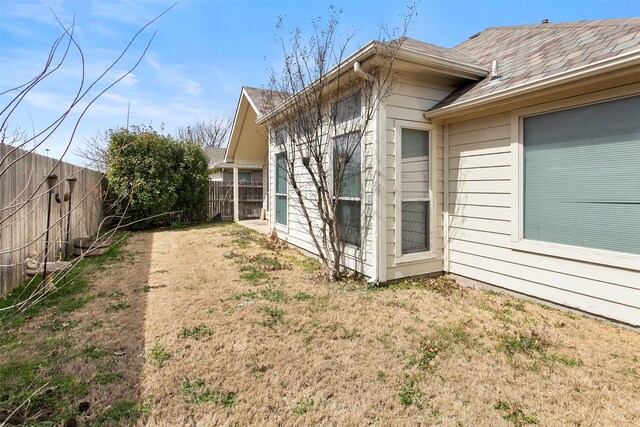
(260, 225)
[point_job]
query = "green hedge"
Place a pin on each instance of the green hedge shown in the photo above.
(151, 175)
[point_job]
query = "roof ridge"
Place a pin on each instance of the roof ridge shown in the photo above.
(609, 22)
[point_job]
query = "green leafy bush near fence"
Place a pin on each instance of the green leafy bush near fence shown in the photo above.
(151, 175)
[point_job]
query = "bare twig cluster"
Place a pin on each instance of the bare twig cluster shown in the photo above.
(322, 107)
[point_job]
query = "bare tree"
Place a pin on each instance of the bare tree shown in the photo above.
(207, 134)
(94, 150)
(322, 107)
(20, 145)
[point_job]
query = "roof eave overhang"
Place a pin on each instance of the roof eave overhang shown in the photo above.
(584, 72)
(238, 123)
(359, 55)
(445, 66)
(453, 68)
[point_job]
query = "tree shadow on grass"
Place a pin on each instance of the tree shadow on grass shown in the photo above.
(78, 357)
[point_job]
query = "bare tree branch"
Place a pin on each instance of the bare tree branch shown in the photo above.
(207, 134)
(321, 112)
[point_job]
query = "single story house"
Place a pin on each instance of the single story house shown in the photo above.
(216, 164)
(246, 156)
(219, 170)
(511, 159)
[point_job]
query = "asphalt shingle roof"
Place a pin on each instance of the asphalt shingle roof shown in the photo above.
(261, 98)
(529, 53)
(215, 155)
(439, 52)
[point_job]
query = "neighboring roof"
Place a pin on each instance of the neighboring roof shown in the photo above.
(530, 53)
(215, 155)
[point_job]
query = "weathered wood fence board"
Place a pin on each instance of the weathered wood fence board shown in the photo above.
(221, 200)
(23, 209)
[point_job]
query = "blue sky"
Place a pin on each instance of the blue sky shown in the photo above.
(205, 51)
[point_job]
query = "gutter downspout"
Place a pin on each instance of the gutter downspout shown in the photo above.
(375, 277)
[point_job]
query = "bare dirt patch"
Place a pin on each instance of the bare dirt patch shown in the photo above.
(220, 330)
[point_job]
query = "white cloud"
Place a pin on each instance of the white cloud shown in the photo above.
(172, 74)
(128, 11)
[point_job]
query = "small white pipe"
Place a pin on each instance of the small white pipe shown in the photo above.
(361, 73)
(494, 69)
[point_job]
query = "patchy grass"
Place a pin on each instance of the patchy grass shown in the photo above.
(513, 412)
(302, 296)
(122, 413)
(198, 391)
(274, 316)
(50, 360)
(303, 351)
(253, 276)
(158, 355)
(274, 295)
(410, 393)
(197, 332)
(303, 407)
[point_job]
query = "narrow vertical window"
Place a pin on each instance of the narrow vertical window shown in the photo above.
(281, 189)
(415, 201)
(346, 160)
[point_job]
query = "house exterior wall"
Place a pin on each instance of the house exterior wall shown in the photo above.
(215, 175)
(296, 231)
(483, 211)
(405, 108)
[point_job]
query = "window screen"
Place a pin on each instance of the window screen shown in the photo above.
(415, 190)
(347, 108)
(582, 176)
(281, 189)
(346, 157)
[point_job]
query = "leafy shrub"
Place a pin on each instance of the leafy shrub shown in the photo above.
(151, 175)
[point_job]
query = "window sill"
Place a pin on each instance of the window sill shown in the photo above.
(414, 258)
(576, 253)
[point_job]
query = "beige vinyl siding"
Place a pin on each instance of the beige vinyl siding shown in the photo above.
(406, 106)
(296, 231)
(480, 241)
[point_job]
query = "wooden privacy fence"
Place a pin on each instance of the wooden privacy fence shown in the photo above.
(221, 200)
(23, 209)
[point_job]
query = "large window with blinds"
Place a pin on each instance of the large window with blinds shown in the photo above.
(414, 210)
(582, 176)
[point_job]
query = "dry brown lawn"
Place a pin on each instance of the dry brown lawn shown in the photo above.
(217, 329)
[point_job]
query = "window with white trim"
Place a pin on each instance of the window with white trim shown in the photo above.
(582, 176)
(347, 158)
(347, 108)
(414, 182)
(281, 189)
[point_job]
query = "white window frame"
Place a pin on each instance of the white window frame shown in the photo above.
(351, 199)
(518, 242)
(334, 108)
(344, 128)
(399, 257)
(279, 226)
